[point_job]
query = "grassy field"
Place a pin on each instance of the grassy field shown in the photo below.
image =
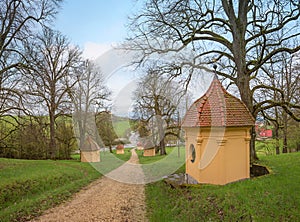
(275, 197)
(121, 126)
(157, 167)
(151, 159)
(125, 157)
(27, 187)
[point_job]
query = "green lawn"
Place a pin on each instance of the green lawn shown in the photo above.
(152, 159)
(28, 187)
(275, 197)
(157, 167)
(125, 157)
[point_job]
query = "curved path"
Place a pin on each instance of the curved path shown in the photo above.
(103, 200)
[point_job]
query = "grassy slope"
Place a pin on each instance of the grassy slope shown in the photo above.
(157, 157)
(121, 126)
(275, 197)
(28, 187)
(125, 157)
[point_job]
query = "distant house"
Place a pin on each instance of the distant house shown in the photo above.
(139, 146)
(120, 149)
(149, 148)
(149, 151)
(262, 130)
(266, 133)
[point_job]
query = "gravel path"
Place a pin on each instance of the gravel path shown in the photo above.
(103, 200)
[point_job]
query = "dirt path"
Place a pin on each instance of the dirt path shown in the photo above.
(103, 200)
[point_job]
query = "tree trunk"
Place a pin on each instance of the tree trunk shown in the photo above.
(239, 27)
(81, 132)
(162, 147)
(52, 144)
(245, 92)
(161, 137)
(277, 139)
(157, 149)
(253, 155)
(284, 149)
(81, 138)
(52, 109)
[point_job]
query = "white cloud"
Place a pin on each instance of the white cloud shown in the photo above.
(93, 50)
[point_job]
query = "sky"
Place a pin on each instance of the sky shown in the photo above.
(95, 25)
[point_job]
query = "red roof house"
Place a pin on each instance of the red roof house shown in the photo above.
(217, 108)
(217, 128)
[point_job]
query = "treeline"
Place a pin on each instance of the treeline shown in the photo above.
(28, 137)
(43, 79)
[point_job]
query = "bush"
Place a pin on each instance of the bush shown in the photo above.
(28, 137)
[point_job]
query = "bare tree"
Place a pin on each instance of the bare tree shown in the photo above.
(18, 22)
(88, 96)
(239, 35)
(50, 73)
(157, 102)
(283, 78)
(106, 129)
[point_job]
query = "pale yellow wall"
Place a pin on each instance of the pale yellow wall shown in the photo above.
(90, 156)
(120, 151)
(140, 148)
(229, 162)
(191, 138)
(149, 152)
(238, 161)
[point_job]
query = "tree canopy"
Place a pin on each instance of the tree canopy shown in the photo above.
(240, 36)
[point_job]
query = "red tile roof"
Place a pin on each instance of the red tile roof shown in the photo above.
(217, 108)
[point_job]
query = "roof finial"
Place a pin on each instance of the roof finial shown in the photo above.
(215, 68)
